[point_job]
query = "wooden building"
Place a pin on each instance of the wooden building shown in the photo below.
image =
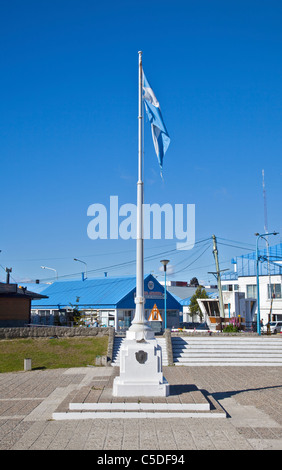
(15, 305)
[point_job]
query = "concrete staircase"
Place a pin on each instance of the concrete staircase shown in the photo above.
(227, 351)
(118, 342)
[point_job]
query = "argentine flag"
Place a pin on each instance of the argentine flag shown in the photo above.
(159, 133)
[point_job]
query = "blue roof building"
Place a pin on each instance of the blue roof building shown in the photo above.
(111, 300)
(270, 262)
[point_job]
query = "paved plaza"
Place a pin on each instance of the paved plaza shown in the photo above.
(248, 398)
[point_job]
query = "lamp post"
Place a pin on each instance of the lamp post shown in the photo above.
(164, 263)
(51, 269)
(83, 276)
(257, 262)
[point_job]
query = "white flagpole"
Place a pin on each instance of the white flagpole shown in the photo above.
(140, 328)
(140, 366)
(140, 199)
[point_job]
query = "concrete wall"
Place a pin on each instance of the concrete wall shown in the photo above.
(48, 331)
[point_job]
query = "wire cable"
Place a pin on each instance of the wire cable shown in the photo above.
(126, 263)
(188, 265)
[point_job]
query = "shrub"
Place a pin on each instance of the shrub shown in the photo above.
(230, 329)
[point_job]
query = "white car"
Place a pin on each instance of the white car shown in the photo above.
(275, 327)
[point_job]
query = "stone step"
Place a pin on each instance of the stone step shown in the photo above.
(244, 354)
(77, 415)
(277, 342)
(227, 351)
(230, 347)
(128, 406)
(133, 410)
(276, 360)
(224, 364)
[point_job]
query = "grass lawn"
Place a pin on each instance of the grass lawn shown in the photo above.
(47, 353)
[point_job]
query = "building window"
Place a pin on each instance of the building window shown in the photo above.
(275, 291)
(44, 317)
(127, 318)
(107, 318)
(252, 291)
(229, 287)
(124, 319)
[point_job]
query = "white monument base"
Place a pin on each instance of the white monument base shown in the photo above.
(140, 370)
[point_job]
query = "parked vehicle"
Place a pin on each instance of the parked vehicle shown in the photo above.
(275, 327)
(194, 326)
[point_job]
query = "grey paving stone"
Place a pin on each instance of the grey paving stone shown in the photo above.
(252, 397)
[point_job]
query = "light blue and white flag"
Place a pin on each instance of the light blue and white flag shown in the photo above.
(159, 133)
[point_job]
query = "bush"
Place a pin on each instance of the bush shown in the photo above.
(230, 329)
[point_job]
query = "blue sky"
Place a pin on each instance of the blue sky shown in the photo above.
(69, 96)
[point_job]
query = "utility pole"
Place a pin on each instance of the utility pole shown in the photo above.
(215, 253)
(8, 271)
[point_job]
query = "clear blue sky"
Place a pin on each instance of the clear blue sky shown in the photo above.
(68, 121)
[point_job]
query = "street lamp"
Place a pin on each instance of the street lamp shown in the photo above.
(83, 276)
(257, 260)
(164, 263)
(52, 269)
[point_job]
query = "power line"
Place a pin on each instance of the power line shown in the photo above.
(235, 241)
(126, 263)
(188, 258)
(147, 258)
(233, 246)
(10, 273)
(80, 256)
(190, 264)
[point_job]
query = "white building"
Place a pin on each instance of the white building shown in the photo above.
(238, 310)
(183, 293)
(244, 281)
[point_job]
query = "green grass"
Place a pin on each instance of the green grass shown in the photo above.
(47, 353)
